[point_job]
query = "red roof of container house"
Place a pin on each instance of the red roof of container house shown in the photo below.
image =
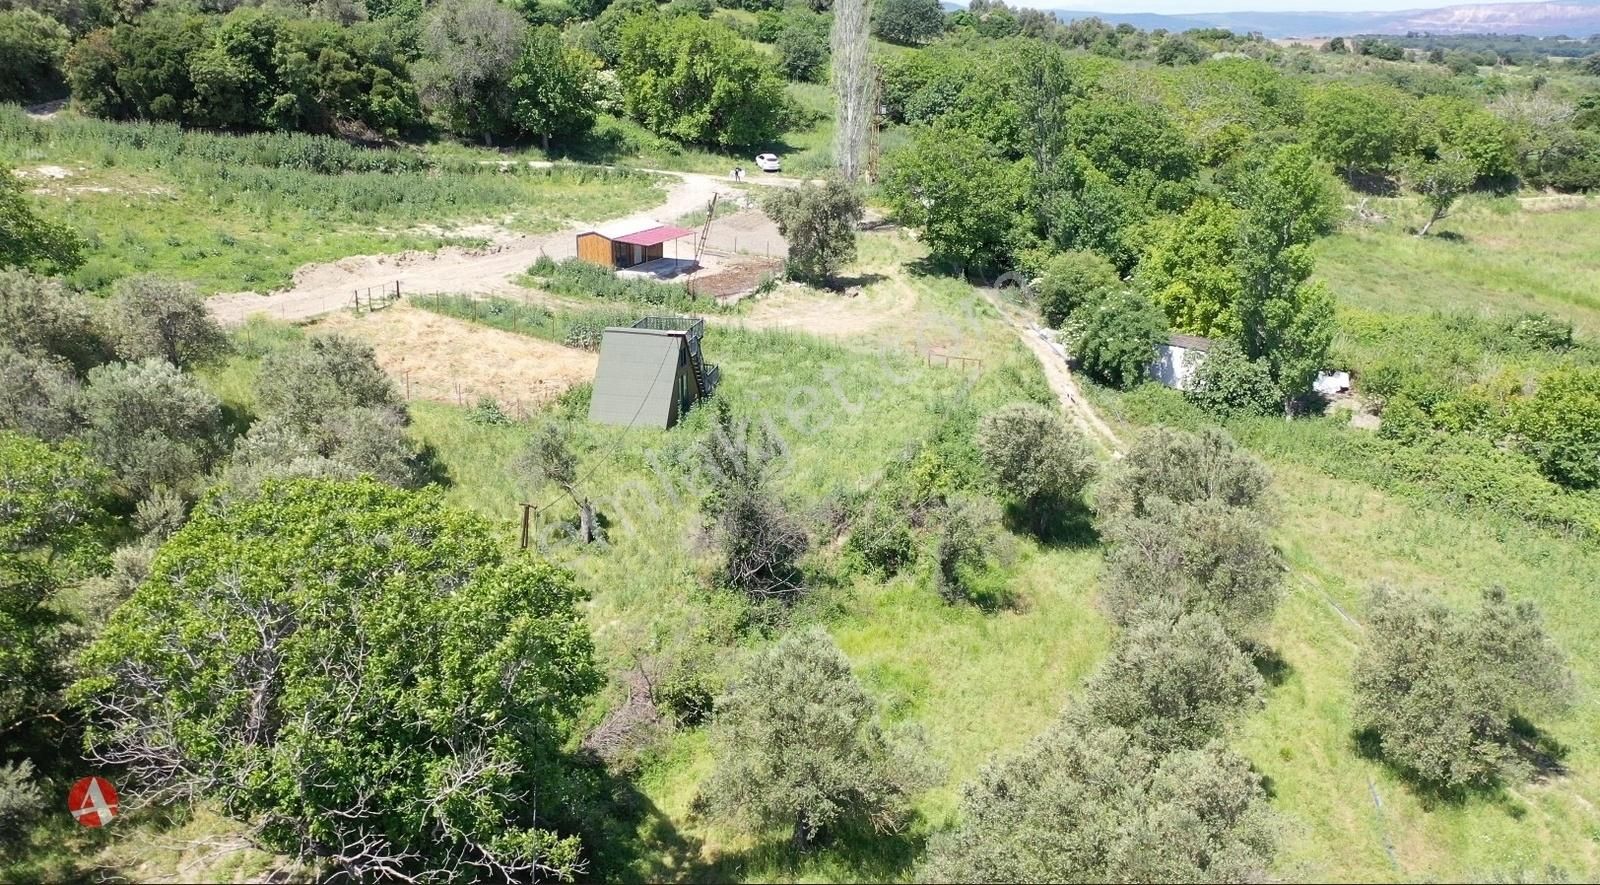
(651, 236)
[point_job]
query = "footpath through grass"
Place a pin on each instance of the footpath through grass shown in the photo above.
(243, 212)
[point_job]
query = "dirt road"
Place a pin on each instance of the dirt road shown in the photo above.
(1058, 375)
(320, 288)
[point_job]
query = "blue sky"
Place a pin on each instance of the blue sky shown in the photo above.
(1178, 7)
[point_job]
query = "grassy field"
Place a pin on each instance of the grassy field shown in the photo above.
(234, 213)
(1496, 258)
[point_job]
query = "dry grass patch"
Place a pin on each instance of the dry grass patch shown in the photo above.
(447, 360)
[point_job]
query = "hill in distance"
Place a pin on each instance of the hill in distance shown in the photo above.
(1574, 18)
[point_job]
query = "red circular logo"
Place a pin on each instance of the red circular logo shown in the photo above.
(92, 801)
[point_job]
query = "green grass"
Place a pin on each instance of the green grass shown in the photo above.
(1497, 260)
(243, 212)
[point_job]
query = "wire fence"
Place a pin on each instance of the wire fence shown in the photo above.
(492, 403)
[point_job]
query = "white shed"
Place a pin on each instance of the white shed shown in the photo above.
(1178, 359)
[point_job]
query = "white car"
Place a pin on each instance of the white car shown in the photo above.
(767, 162)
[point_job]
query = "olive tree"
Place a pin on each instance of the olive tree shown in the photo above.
(314, 660)
(39, 396)
(798, 745)
(322, 374)
(1094, 804)
(151, 318)
(819, 223)
(1202, 556)
(1183, 468)
(1173, 681)
(39, 317)
(1440, 689)
(343, 443)
(1035, 456)
(151, 424)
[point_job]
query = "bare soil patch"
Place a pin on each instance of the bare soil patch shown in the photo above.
(737, 278)
(447, 360)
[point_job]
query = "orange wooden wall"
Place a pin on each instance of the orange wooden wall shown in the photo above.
(595, 249)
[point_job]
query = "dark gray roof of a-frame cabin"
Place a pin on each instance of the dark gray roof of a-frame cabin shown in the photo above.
(637, 378)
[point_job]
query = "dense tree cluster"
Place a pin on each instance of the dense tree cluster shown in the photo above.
(250, 69)
(695, 81)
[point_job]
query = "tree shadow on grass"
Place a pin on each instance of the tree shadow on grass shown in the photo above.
(628, 839)
(431, 468)
(850, 850)
(1542, 754)
(858, 281)
(1057, 525)
(1273, 668)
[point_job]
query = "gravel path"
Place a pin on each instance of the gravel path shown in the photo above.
(320, 288)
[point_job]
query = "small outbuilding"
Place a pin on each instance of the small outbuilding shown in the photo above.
(628, 244)
(1177, 360)
(651, 373)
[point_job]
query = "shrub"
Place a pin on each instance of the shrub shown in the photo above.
(1173, 681)
(151, 424)
(1202, 556)
(1092, 804)
(881, 536)
(584, 280)
(797, 744)
(760, 543)
(341, 627)
(1441, 691)
(1541, 331)
(488, 413)
(21, 800)
(1074, 280)
(1559, 426)
(1230, 384)
(1117, 339)
(1035, 456)
(1183, 468)
(968, 538)
(52, 515)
